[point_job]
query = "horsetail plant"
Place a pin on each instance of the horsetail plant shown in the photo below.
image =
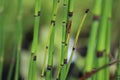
(101, 39)
(12, 63)
(68, 31)
(51, 42)
(75, 42)
(90, 58)
(51, 32)
(2, 38)
(32, 65)
(18, 39)
(108, 37)
(64, 22)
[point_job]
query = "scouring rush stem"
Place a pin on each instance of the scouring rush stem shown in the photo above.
(108, 37)
(2, 38)
(90, 58)
(75, 42)
(64, 24)
(68, 31)
(18, 39)
(51, 30)
(101, 39)
(12, 63)
(33, 58)
(51, 42)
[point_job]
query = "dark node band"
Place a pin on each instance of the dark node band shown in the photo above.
(70, 14)
(96, 17)
(42, 75)
(87, 10)
(49, 67)
(53, 22)
(63, 42)
(37, 14)
(34, 58)
(69, 26)
(64, 5)
(100, 54)
(58, 1)
(87, 74)
(32, 54)
(65, 61)
(61, 65)
(63, 22)
(57, 79)
(73, 48)
(46, 47)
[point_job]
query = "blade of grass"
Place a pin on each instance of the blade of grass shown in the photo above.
(32, 65)
(75, 41)
(2, 38)
(18, 39)
(90, 58)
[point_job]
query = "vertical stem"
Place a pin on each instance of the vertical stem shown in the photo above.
(102, 39)
(75, 42)
(90, 58)
(68, 31)
(64, 23)
(2, 38)
(32, 65)
(51, 38)
(18, 39)
(12, 64)
(108, 37)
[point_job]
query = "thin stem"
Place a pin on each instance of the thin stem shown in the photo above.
(32, 65)
(68, 31)
(108, 37)
(91, 58)
(2, 38)
(18, 39)
(51, 38)
(64, 23)
(101, 39)
(12, 64)
(75, 41)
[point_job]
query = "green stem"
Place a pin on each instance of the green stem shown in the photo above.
(12, 64)
(75, 42)
(19, 39)
(51, 42)
(68, 31)
(108, 37)
(32, 65)
(90, 58)
(101, 39)
(2, 38)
